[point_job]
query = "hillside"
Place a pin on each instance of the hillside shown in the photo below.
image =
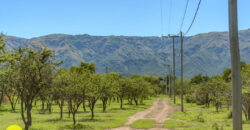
(203, 53)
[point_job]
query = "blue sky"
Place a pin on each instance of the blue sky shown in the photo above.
(32, 18)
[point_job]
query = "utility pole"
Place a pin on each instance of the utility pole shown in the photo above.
(173, 37)
(182, 73)
(106, 69)
(168, 79)
(166, 85)
(170, 83)
(235, 63)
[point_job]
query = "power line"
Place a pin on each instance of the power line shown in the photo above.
(184, 14)
(193, 18)
(170, 14)
(161, 18)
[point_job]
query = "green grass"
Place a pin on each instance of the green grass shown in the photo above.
(201, 117)
(174, 124)
(143, 124)
(113, 117)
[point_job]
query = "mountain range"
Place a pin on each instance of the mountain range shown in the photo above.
(206, 53)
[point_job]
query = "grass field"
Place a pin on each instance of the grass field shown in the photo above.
(143, 124)
(113, 117)
(199, 117)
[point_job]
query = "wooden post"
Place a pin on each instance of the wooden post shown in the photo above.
(170, 89)
(235, 63)
(182, 109)
(166, 89)
(174, 36)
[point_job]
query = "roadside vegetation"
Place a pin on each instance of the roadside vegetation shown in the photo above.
(34, 88)
(36, 93)
(207, 102)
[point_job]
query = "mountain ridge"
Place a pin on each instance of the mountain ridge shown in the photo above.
(206, 53)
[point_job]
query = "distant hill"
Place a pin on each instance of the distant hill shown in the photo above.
(206, 53)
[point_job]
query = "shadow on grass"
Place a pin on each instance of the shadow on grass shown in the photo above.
(77, 127)
(91, 120)
(56, 120)
(118, 109)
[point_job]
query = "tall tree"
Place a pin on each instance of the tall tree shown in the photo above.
(35, 69)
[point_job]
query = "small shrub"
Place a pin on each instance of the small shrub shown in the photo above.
(200, 118)
(215, 126)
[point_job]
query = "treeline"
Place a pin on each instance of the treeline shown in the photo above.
(31, 75)
(217, 90)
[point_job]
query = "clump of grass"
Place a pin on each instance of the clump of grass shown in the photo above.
(143, 124)
(173, 124)
(215, 126)
(200, 118)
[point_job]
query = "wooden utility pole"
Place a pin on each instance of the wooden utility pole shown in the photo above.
(182, 109)
(169, 80)
(106, 69)
(173, 37)
(166, 89)
(235, 63)
(170, 88)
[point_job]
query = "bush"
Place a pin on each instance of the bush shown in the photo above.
(215, 126)
(200, 118)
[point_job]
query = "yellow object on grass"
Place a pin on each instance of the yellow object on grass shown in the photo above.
(14, 127)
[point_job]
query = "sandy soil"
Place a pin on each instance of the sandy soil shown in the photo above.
(159, 112)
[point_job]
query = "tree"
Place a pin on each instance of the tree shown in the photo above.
(199, 78)
(93, 92)
(75, 83)
(140, 89)
(35, 70)
(88, 66)
(109, 82)
(219, 92)
(59, 88)
(3, 59)
(9, 81)
(123, 89)
(246, 91)
(227, 75)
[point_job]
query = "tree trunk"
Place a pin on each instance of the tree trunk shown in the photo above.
(1, 99)
(92, 107)
(69, 114)
(121, 101)
(42, 105)
(92, 113)
(23, 117)
(104, 103)
(84, 106)
(117, 100)
(136, 102)
(74, 120)
(248, 113)
(61, 109)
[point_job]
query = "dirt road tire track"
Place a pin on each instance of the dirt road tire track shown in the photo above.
(159, 111)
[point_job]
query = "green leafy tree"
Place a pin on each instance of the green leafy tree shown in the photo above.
(3, 59)
(9, 81)
(246, 91)
(35, 70)
(109, 82)
(59, 88)
(74, 88)
(123, 88)
(93, 92)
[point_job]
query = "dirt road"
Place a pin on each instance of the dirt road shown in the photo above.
(159, 112)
